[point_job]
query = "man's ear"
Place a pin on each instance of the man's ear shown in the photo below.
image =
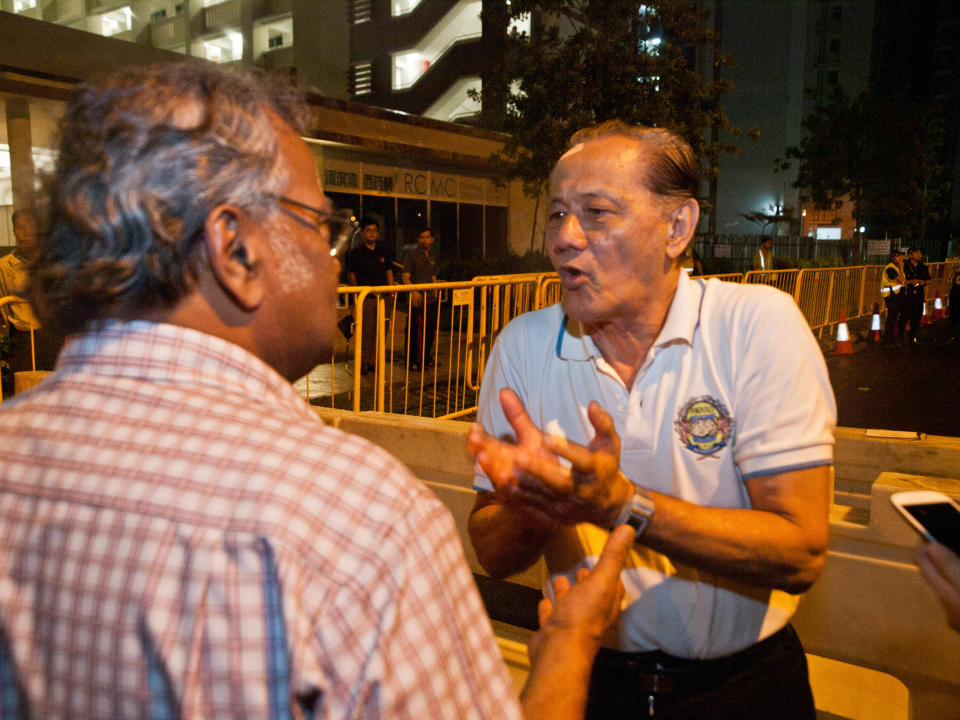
(233, 252)
(683, 224)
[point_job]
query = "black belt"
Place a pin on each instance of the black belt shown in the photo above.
(659, 673)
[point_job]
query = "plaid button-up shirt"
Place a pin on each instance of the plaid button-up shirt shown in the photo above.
(180, 536)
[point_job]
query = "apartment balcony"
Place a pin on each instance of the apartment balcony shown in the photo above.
(222, 16)
(67, 11)
(24, 8)
(102, 6)
(276, 7)
(280, 58)
(167, 32)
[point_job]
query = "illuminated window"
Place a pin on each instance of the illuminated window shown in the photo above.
(462, 22)
(272, 34)
(362, 78)
(455, 104)
(360, 12)
(21, 5)
(403, 7)
(650, 46)
(226, 48)
(520, 24)
(112, 23)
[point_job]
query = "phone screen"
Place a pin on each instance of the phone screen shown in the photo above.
(941, 520)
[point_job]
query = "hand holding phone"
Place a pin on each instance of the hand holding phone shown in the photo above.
(934, 515)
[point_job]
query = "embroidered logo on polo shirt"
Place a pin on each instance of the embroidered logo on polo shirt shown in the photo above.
(704, 425)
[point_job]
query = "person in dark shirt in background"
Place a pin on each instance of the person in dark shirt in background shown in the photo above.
(917, 276)
(369, 264)
(420, 266)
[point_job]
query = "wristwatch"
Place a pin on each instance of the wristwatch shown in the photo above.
(637, 511)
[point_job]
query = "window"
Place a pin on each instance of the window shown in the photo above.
(114, 23)
(462, 22)
(443, 220)
(403, 7)
(471, 231)
(495, 230)
(360, 12)
(361, 78)
(21, 5)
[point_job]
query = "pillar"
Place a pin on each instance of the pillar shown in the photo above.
(21, 151)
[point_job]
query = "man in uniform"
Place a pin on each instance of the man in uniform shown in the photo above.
(763, 257)
(916, 277)
(698, 411)
(420, 266)
(892, 290)
(370, 263)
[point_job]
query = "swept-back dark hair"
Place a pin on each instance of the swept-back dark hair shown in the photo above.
(145, 155)
(669, 169)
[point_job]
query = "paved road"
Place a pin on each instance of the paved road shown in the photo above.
(914, 389)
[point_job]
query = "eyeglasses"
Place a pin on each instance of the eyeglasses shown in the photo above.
(342, 223)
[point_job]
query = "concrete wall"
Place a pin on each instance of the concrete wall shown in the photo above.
(870, 624)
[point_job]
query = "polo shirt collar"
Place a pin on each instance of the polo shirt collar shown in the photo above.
(681, 323)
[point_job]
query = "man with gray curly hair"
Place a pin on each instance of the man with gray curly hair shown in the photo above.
(181, 536)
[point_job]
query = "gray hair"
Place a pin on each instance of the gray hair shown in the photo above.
(670, 169)
(144, 156)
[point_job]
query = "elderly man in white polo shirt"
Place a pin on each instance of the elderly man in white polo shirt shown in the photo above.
(698, 411)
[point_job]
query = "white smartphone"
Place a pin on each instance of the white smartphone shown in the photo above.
(934, 515)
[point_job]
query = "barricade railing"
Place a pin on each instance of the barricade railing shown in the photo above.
(785, 280)
(464, 319)
(459, 328)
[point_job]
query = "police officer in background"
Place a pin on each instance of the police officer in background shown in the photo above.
(916, 277)
(892, 290)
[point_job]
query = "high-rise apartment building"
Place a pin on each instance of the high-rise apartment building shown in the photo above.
(307, 41)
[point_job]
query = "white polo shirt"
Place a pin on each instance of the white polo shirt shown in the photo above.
(735, 386)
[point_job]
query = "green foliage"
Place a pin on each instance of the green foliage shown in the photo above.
(586, 63)
(882, 154)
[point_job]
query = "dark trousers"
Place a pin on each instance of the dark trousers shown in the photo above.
(767, 680)
(911, 312)
(423, 328)
(368, 333)
(894, 305)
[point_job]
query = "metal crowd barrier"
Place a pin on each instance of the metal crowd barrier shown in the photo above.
(469, 315)
(464, 320)
(463, 340)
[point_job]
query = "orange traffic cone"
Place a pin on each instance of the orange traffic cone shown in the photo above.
(925, 318)
(874, 335)
(939, 311)
(843, 346)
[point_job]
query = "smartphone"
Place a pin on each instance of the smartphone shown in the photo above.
(934, 515)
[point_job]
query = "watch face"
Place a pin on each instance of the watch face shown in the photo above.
(641, 510)
(637, 522)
